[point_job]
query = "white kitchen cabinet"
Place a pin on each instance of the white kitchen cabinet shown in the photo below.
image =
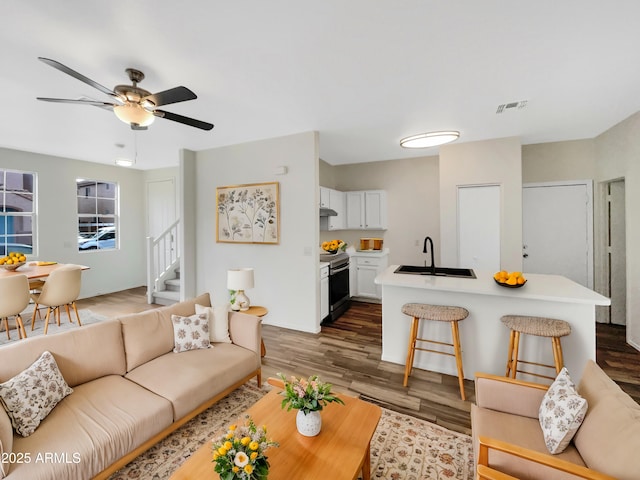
(324, 197)
(366, 210)
(324, 292)
(337, 203)
(367, 266)
(335, 200)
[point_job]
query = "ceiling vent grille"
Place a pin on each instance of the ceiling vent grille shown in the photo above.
(511, 106)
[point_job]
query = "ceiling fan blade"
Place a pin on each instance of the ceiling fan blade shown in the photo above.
(80, 102)
(185, 120)
(135, 126)
(79, 76)
(173, 95)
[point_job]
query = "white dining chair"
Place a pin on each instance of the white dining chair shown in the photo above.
(14, 298)
(61, 289)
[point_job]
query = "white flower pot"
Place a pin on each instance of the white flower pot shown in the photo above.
(310, 424)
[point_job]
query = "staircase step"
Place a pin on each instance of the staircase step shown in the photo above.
(166, 297)
(172, 284)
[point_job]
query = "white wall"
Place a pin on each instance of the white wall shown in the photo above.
(286, 275)
(412, 198)
(617, 156)
(481, 163)
(110, 270)
(550, 162)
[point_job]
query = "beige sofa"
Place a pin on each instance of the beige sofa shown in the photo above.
(129, 390)
(508, 438)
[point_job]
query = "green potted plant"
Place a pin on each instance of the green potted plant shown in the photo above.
(309, 397)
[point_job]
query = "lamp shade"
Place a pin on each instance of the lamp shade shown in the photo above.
(240, 279)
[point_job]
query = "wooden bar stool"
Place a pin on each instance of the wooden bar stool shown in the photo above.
(438, 313)
(538, 326)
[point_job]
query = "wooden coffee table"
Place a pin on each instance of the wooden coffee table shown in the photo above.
(340, 451)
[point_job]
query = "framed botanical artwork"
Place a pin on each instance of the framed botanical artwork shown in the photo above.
(248, 213)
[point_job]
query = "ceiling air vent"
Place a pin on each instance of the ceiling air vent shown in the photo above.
(511, 106)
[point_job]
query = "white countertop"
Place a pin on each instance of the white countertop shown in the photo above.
(368, 253)
(323, 264)
(540, 287)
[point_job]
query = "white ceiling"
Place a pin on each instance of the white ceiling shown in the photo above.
(364, 73)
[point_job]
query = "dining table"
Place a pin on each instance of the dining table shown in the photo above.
(34, 270)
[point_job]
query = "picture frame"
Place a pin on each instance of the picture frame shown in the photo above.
(248, 213)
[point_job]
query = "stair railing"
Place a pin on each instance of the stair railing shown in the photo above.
(163, 256)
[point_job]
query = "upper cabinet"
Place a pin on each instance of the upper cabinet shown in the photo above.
(325, 194)
(366, 210)
(334, 200)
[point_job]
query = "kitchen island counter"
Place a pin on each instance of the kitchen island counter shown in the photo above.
(483, 337)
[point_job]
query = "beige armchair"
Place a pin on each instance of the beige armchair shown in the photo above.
(61, 289)
(561, 466)
(508, 438)
(14, 298)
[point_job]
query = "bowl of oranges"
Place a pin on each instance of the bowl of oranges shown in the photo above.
(509, 279)
(13, 261)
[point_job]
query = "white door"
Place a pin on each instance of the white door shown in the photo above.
(161, 206)
(557, 230)
(479, 227)
(617, 254)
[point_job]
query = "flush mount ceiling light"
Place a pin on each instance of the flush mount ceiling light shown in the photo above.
(432, 139)
(123, 162)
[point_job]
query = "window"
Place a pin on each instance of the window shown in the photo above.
(97, 215)
(17, 211)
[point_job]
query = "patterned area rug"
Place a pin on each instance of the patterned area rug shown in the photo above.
(402, 448)
(87, 317)
(409, 448)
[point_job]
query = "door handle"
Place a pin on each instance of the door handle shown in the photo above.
(525, 255)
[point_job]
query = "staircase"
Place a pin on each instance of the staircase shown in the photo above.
(171, 291)
(163, 266)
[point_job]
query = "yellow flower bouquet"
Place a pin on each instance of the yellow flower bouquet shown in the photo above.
(332, 246)
(239, 454)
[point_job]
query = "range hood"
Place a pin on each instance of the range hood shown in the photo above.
(327, 212)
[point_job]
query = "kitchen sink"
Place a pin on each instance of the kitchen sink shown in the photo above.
(439, 271)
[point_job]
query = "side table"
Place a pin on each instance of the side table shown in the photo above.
(258, 311)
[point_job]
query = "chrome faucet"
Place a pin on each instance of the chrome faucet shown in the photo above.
(424, 250)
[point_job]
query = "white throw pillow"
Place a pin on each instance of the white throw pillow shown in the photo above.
(218, 322)
(31, 395)
(190, 333)
(561, 413)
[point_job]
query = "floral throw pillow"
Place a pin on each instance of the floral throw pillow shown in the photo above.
(561, 413)
(31, 395)
(190, 333)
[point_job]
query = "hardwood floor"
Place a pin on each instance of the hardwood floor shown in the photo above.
(347, 354)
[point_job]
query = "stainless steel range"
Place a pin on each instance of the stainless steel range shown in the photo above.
(339, 297)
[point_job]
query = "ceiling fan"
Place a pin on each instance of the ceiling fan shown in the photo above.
(132, 104)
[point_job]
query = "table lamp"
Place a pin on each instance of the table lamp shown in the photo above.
(239, 280)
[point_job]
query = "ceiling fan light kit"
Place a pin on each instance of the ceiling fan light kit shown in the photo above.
(134, 114)
(132, 104)
(431, 139)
